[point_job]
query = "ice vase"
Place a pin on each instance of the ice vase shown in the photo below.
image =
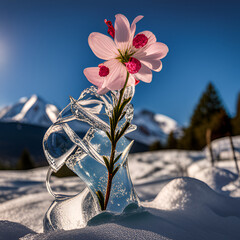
(79, 139)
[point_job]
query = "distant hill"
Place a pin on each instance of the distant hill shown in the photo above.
(15, 137)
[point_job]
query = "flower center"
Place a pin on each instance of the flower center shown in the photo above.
(140, 41)
(111, 30)
(133, 65)
(103, 71)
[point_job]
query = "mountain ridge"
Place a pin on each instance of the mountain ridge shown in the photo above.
(33, 110)
(151, 127)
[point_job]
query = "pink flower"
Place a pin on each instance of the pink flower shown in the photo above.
(136, 54)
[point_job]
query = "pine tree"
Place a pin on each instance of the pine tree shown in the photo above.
(238, 106)
(236, 119)
(172, 141)
(220, 125)
(155, 146)
(209, 104)
(25, 161)
(205, 112)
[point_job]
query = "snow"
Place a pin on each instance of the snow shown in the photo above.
(233, 188)
(186, 208)
(166, 123)
(204, 205)
(52, 112)
(23, 99)
(109, 231)
(3, 111)
(216, 177)
(153, 127)
(12, 230)
(222, 148)
(27, 106)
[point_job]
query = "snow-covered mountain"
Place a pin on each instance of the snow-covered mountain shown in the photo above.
(153, 127)
(33, 110)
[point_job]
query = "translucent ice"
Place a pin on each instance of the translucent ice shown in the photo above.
(78, 138)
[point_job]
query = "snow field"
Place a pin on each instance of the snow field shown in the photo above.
(175, 206)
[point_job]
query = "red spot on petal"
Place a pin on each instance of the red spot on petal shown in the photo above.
(111, 30)
(140, 40)
(136, 82)
(103, 71)
(133, 65)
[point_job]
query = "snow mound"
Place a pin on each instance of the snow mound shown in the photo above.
(186, 208)
(215, 177)
(12, 230)
(189, 193)
(107, 232)
(222, 148)
(33, 110)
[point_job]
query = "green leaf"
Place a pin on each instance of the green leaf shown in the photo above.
(111, 122)
(117, 158)
(115, 170)
(117, 133)
(114, 117)
(108, 136)
(122, 116)
(123, 130)
(106, 162)
(112, 129)
(125, 102)
(100, 199)
(115, 113)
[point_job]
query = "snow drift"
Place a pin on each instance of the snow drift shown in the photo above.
(186, 208)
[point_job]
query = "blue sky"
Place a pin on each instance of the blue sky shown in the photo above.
(44, 50)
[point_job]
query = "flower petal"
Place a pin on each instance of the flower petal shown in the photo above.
(117, 74)
(102, 46)
(133, 25)
(92, 75)
(155, 51)
(144, 74)
(151, 37)
(122, 32)
(141, 52)
(153, 64)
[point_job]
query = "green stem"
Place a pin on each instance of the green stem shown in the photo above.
(122, 90)
(113, 139)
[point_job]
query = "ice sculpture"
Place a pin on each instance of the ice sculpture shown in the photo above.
(99, 157)
(88, 155)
